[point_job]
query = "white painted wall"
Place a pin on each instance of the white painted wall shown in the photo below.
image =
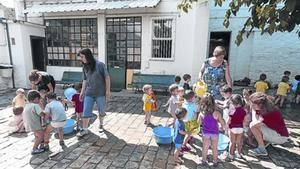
(257, 54)
(21, 51)
(191, 37)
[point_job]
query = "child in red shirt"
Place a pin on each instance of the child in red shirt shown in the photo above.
(78, 105)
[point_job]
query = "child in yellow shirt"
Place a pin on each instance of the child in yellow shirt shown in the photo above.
(283, 89)
(261, 85)
(148, 101)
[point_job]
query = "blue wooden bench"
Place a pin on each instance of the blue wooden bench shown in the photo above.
(70, 77)
(158, 82)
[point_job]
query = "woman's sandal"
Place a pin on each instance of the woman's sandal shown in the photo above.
(178, 161)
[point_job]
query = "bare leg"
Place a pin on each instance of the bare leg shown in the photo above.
(39, 134)
(85, 123)
(61, 134)
(277, 99)
(176, 156)
(214, 147)
(148, 117)
(186, 139)
(256, 131)
(47, 134)
(239, 139)
(282, 98)
(232, 143)
(205, 147)
(101, 120)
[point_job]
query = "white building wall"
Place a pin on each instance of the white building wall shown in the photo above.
(191, 37)
(257, 54)
(21, 51)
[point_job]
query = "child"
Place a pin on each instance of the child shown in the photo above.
(192, 112)
(57, 111)
(78, 105)
(226, 92)
(147, 89)
(180, 96)
(296, 88)
(173, 101)
(32, 119)
(236, 125)
(246, 95)
(287, 73)
(261, 85)
(209, 118)
(179, 133)
(187, 79)
(177, 81)
(283, 88)
(18, 104)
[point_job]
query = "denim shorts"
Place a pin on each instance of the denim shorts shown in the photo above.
(88, 105)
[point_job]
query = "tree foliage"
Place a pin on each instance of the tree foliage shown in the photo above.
(268, 16)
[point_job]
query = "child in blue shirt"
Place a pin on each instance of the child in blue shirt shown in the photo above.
(179, 133)
(192, 113)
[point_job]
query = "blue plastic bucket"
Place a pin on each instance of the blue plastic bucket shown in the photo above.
(223, 142)
(69, 92)
(69, 126)
(163, 135)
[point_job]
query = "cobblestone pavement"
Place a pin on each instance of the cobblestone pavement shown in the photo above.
(127, 143)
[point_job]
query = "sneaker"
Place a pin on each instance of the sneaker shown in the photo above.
(258, 152)
(237, 155)
(37, 151)
(46, 147)
(101, 128)
(82, 133)
(62, 143)
(267, 144)
(229, 158)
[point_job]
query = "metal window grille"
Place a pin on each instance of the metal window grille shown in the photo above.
(65, 38)
(123, 37)
(162, 38)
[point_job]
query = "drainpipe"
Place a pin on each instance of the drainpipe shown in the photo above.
(25, 14)
(9, 50)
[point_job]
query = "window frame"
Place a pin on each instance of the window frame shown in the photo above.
(87, 37)
(173, 18)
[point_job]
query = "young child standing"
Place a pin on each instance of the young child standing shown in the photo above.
(180, 96)
(57, 111)
(32, 119)
(173, 101)
(226, 92)
(177, 81)
(192, 112)
(187, 79)
(296, 89)
(148, 101)
(209, 118)
(18, 103)
(236, 126)
(78, 105)
(179, 133)
(261, 85)
(283, 88)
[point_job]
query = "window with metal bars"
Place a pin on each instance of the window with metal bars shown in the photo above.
(162, 38)
(65, 38)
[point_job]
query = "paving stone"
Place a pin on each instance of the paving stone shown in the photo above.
(141, 148)
(91, 150)
(150, 155)
(80, 161)
(127, 150)
(120, 161)
(47, 164)
(105, 163)
(37, 161)
(158, 163)
(75, 153)
(89, 165)
(119, 145)
(101, 142)
(162, 154)
(62, 164)
(145, 164)
(96, 158)
(131, 165)
(136, 156)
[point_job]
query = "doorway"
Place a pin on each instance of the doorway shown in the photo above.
(123, 42)
(38, 52)
(219, 39)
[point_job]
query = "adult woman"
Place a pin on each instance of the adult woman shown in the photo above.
(41, 81)
(267, 123)
(95, 88)
(215, 72)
